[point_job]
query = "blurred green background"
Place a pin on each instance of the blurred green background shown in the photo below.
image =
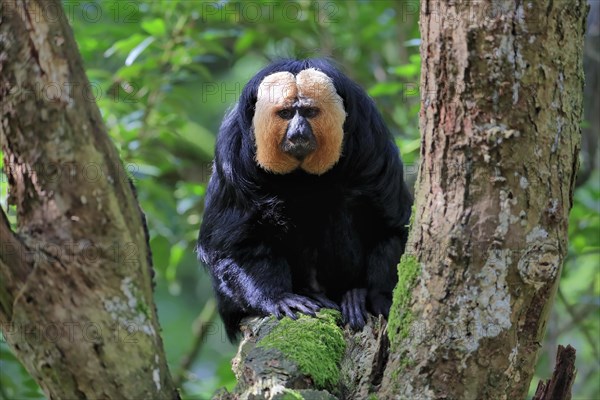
(164, 72)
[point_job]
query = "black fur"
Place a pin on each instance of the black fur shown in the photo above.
(264, 235)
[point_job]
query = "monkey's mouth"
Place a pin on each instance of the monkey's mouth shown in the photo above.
(299, 147)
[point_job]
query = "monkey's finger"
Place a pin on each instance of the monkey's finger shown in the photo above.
(287, 311)
(275, 311)
(302, 301)
(363, 305)
(348, 310)
(354, 318)
(302, 308)
(345, 311)
(358, 320)
(325, 302)
(358, 301)
(330, 304)
(312, 306)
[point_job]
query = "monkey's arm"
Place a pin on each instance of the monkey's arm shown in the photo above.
(260, 285)
(248, 277)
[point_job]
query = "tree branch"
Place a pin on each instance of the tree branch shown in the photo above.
(14, 268)
(201, 325)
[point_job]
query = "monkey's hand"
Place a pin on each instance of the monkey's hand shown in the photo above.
(288, 302)
(354, 310)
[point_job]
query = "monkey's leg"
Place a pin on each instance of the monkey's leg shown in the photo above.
(382, 274)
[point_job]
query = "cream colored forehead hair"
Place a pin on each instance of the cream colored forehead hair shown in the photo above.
(310, 88)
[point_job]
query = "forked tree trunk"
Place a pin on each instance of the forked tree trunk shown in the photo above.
(501, 92)
(75, 284)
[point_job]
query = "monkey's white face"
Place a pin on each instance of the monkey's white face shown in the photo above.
(298, 122)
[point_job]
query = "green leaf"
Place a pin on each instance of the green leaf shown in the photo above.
(415, 59)
(176, 255)
(125, 45)
(155, 27)
(244, 42)
(407, 70)
(161, 252)
(385, 88)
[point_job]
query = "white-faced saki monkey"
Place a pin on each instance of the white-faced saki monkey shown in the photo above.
(307, 206)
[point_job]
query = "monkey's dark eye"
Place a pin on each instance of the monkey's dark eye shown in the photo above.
(311, 112)
(286, 113)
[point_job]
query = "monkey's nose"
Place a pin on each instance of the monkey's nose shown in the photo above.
(298, 139)
(299, 145)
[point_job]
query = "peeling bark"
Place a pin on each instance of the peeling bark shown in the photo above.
(501, 90)
(76, 294)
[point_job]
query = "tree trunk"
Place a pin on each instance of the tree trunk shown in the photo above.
(75, 279)
(501, 92)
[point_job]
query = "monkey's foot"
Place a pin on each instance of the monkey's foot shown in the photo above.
(354, 310)
(289, 302)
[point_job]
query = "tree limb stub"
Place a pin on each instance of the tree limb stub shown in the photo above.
(310, 358)
(558, 387)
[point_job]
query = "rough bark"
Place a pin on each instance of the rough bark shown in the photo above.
(501, 105)
(76, 294)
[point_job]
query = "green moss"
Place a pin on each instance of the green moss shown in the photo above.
(141, 307)
(304, 394)
(289, 394)
(405, 362)
(401, 316)
(413, 213)
(316, 345)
